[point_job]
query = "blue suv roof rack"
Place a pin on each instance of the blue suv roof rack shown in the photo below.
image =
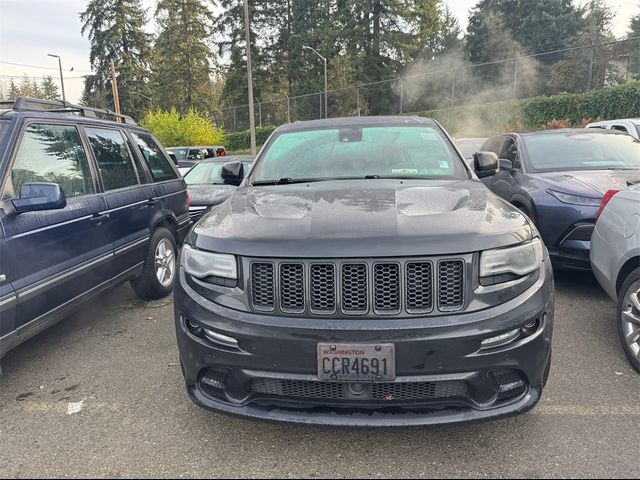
(61, 106)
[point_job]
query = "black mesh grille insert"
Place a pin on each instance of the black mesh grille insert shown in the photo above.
(451, 284)
(386, 280)
(292, 287)
(379, 392)
(354, 288)
(299, 389)
(263, 291)
(323, 288)
(419, 287)
(417, 390)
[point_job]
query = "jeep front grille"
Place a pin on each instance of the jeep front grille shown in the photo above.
(357, 288)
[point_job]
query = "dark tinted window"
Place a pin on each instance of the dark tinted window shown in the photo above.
(582, 151)
(620, 128)
(159, 165)
(114, 162)
(510, 152)
(52, 153)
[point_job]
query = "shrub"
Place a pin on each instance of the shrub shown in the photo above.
(174, 130)
(241, 141)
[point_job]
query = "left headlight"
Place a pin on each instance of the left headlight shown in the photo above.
(203, 264)
(575, 199)
(520, 261)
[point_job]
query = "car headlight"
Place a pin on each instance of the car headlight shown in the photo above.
(519, 261)
(202, 264)
(575, 199)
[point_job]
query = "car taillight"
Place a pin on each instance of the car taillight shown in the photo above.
(605, 200)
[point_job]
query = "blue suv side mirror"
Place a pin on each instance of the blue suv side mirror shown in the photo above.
(38, 196)
(486, 164)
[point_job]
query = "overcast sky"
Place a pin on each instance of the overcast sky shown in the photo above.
(30, 29)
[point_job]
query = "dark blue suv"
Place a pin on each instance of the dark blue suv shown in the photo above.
(85, 204)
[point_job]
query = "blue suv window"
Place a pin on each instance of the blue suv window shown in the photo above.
(112, 155)
(160, 168)
(52, 153)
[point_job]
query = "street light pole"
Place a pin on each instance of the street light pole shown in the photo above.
(252, 120)
(64, 98)
(144, 96)
(324, 59)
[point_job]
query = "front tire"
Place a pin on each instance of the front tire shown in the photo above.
(160, 266)
(629, 317)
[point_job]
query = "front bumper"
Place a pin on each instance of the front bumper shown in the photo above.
(440, 358)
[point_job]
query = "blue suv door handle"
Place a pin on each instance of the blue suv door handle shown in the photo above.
(152, 202)
(98, 219)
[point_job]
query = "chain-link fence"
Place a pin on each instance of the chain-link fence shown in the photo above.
(451, 81)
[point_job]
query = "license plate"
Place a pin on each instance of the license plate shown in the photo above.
(357, 362)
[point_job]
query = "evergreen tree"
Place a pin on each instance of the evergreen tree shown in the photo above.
(634, 48)
(182, 61)
(116, 31)
(14, 91)
(49, 88)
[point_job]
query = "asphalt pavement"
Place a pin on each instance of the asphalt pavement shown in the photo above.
(101, 394)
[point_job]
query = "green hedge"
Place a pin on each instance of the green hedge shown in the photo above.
(241, 141)
(485, 120)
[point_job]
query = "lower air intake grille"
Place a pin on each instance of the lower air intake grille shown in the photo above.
(383, 392)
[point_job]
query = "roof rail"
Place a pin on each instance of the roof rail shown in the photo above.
(61, 106)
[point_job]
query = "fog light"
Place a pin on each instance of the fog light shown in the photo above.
(219, 338)
(216, 378)
(194, 327)
(508, 380)
(500, 340)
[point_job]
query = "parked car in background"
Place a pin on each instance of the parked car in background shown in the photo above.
(187, 157)
(85, 204)
(558, 178)
(362, 275)
(630, 126)
(615, 256)
(206, 186)
(469, 146)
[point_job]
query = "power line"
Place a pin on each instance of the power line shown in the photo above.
(37, 78)
(41, 67)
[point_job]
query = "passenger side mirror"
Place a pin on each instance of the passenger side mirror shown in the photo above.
(486, 164)
(39, 196)
(232, 173)
(506, 165)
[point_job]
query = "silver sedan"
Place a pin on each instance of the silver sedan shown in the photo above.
(615, 259)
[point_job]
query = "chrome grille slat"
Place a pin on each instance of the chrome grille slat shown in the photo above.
(358, 287)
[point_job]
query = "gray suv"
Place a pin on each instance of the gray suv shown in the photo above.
(362, 275)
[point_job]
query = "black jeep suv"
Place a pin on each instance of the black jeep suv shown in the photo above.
(85, 204)
(362, 275)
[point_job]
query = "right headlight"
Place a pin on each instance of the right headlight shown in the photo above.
(519, 261)
(202, 264)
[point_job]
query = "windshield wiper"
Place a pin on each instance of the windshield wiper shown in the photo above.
(290, 181)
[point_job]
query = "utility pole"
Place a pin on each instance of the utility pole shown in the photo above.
(252, 120)
(114, 86)
(64, 98)
(324, 59)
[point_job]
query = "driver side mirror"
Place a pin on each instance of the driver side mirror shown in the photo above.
(486, 164)
(37, 196)
(232, 173)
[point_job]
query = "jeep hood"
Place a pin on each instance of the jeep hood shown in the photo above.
(361, 218)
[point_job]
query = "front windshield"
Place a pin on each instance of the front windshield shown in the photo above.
(582, 151)
(208, 173)
(382, 151)
(180, 153)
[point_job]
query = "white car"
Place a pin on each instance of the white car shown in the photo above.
(630, 126)
(615, 260)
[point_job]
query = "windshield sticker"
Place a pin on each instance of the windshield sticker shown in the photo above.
(430, 136)
(404, 171)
